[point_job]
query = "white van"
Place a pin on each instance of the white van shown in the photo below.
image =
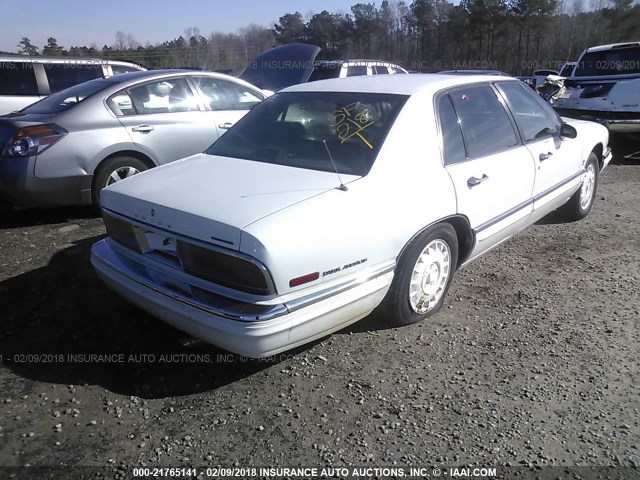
(25, 80)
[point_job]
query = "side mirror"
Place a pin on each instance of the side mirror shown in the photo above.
(567, 131)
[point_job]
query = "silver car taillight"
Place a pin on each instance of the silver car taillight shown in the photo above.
(29, 141)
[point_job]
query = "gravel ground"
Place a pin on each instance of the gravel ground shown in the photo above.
(533, 361)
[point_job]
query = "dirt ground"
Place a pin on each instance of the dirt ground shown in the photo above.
(534, 361)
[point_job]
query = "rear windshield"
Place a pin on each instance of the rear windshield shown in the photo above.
(309, 129)
(58, 102)
(609, 62)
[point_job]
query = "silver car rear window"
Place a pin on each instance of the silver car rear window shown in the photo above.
(65, 99)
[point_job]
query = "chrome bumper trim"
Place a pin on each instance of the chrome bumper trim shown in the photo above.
(104, 257)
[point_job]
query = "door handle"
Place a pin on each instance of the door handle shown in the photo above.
(225, 126)
(474, 181)
(544, 156)
(143, 128)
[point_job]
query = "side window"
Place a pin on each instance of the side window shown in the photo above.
(65, 75)
(397, 70)
(121, 104)
(118, 69)
(453, 145)
(356, 70)
(323, 72)
(534, 119)
(485, 124)
(166, 96)
(223, 94)
(380, 70)
(17, 78)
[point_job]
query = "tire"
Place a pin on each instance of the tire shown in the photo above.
(579, 205)
(418, 288)
(112, 170)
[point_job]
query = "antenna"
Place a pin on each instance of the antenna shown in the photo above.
(342, 186)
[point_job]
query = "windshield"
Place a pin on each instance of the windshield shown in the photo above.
(567, 69)
(58, 102)
(299, 129)
(621, 61)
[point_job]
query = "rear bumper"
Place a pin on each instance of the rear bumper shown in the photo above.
(286, 326)
(19, 186)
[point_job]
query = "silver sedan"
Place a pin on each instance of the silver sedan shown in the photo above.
(64, 149)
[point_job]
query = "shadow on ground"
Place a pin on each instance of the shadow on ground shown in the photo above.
(14, 217)
(626, 150)
(64, 312)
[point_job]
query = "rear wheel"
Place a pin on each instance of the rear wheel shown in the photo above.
(422, 279)
(579, 205)
(113, 170)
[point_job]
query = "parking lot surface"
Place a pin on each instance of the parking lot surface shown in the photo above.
(534, 360)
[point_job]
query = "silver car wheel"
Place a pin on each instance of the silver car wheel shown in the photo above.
(430, 275)
(587, 187)
(121, 174)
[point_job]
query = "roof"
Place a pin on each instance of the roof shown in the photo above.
(397, 84)
(125, 77)
(475, 72)
(42, 59)
(354, 60)
(612, 46)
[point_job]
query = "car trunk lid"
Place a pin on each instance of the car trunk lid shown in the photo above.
(213, 198)
(281, 67)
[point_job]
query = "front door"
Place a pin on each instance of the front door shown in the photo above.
(492, 172)
(558, 160)
(227, 101)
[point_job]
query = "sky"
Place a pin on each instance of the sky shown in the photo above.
(90, 22)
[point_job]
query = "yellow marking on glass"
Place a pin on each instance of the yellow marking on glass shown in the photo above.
(347, 127)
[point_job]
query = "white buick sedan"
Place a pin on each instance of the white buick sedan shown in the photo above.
(334, 198)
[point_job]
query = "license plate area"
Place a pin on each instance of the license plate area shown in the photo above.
(159, 246)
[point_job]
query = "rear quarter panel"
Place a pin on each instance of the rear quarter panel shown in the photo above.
(406, 190)
(94, 134)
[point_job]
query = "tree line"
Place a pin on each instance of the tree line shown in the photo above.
(516, 36)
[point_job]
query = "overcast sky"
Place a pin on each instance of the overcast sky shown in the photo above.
(90, 22)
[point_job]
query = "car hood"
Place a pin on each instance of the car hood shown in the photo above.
(213, 198)
(281, 67)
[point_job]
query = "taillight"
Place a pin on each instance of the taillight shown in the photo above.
(122, 232)
(29, 141)
(223, 269)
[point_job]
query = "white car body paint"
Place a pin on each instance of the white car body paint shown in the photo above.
(294, 221)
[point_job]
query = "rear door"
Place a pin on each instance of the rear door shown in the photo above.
(165, 119)
(492, 172)
(558, 160)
